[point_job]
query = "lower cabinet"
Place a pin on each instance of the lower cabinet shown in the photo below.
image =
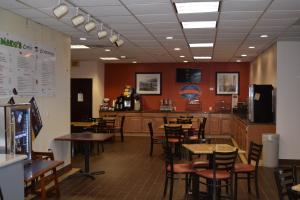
(245, 132)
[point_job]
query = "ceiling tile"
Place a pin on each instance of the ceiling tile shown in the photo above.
(158, 18)
(244, 5)
(285, 5)
(9, 4)
(240, 15)
(125, 19)
(30, 13)
(102, 11)
(84, 3)
(154, 26)
(142, 9)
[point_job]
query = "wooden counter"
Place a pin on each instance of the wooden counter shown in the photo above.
(243, 131)
(136, 123)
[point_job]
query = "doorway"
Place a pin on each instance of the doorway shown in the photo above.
(81, 99)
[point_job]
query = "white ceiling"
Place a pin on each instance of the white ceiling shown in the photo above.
(144, 25)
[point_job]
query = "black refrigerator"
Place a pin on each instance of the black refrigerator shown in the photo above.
(260, 103)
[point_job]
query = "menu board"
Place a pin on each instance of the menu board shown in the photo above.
(26, 68)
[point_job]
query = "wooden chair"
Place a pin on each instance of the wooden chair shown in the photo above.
(174, 137)
(285, 178)
(153, 139)
(199, 137)
(35, 155)
(221, 174)
(165, 120)
(120, 129)
(172, 170)
(184, 120)
(249, 171)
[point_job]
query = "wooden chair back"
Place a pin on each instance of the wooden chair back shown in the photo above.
(254, 154)
(224, 161)
(285, 178)
(174, 132)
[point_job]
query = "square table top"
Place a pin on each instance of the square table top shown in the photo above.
(210, 148)
(184, 126)
(86, 136)
(296, 188)
(39, 167)
(84, 124)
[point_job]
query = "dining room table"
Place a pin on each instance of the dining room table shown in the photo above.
(86, 138)
(206, 149)
(183, 126)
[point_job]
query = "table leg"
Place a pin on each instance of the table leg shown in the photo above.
(43, 189)
(195, 186)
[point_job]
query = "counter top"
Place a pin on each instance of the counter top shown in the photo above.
(8, 159)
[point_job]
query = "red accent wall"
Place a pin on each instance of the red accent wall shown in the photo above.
(119, 75)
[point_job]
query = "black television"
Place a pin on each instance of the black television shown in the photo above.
(188, 75)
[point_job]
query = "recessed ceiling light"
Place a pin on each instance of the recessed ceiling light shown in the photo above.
(238, 61)
(251, 47)
(123, 56)
(185, 61)
(264, 36)
(82, 38)
(197, 7)
(134, 62)
(202, 45)
(182, 56)
(202, 57)
(78, 46)
(107, 50)
(244, 55)
(169, 38)
(199, 24)
(177, 49)
(109, 58)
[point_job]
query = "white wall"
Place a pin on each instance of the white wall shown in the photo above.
(263, 70)
(95, 71)
(55, 111)
(288, 99)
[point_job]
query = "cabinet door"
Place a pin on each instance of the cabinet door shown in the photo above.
(214, 125)
(226, 126)
(133, 125)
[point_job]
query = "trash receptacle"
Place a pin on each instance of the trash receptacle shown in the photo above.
(270, 149)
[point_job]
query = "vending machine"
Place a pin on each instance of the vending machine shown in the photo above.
(15, 129)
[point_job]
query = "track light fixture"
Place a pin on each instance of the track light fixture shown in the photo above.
(102, 33)
(113, 37)
(90, 25)
(119, 41)
(78, 19)
(60, 10)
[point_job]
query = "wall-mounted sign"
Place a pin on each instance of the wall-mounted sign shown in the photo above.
(26, 68)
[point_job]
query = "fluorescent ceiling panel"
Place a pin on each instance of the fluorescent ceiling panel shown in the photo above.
(199, 24)
(202, 57)
(78, 46)
(202, 45)
(197, 7)
(109, 58)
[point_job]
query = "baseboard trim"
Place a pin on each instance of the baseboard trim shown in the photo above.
(289, 162)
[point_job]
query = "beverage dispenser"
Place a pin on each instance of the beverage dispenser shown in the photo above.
(15, 129)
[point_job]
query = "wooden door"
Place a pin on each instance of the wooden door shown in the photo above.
(81, 99)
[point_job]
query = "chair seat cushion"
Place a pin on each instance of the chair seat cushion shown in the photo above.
(173, 140)
(181, 168)
(240, 168)
(220, 174)
(200, 164)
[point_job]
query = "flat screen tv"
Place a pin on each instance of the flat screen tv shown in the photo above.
(188, 75)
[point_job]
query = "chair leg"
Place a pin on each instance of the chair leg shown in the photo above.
(235, 185)
(249, 183)
(232, 196)
(171, 187)
(102, 145)
(166, 185)
(186, 183)
(122, 136)
(256, 186)
(151, 148)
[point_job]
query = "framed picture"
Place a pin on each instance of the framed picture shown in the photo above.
(227, 83)
(148, 83)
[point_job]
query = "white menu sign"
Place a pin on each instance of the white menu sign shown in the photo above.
(26, 69)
